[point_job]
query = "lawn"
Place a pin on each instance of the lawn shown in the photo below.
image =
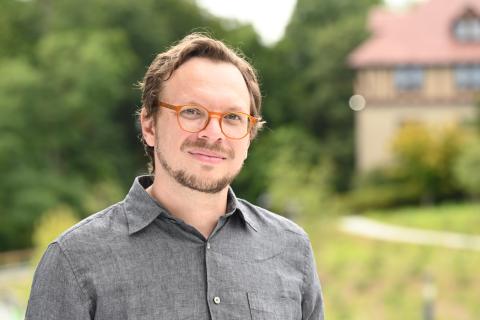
(463, 218)
(370, 279)
(14, 290)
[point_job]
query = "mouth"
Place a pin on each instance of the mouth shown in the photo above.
(207, 156)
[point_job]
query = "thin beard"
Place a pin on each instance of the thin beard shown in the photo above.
(191, 182)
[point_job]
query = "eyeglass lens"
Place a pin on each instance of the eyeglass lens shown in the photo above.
(195, 119)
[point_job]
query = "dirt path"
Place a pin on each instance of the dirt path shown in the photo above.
(370, 228)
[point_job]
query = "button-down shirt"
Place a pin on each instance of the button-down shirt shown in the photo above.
(134, 260)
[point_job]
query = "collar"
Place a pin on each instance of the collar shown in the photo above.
(245, 212)
(141, 209)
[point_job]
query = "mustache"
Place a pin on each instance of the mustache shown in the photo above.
(203, 144)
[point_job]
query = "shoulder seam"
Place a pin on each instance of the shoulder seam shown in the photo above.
(63, 251)
(100, 214)
(300, 234)
(305, 255)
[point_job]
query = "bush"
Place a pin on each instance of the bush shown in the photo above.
(299, 188)
(421, 171)
(50, 226)
(424, 158)
(467, 168)
(298, 176)
(380, 189)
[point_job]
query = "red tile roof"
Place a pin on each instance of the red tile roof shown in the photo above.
(421, 35)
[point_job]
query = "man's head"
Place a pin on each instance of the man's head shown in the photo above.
(204, 72)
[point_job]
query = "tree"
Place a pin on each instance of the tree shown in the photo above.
(314, 82)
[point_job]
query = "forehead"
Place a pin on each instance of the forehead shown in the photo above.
(216, 85)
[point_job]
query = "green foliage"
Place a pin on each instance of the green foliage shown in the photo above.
(386, 196)
(18, 28)
(255, 177)
(85, 75)
(293, 179)
(51, 224)
(422, 171)
(299, 182)
(102, 195)
(424, 158)
(466, 168)
(314, 83)
(57, 130)
(380, 188)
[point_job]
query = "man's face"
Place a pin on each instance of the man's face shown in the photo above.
(206, 161)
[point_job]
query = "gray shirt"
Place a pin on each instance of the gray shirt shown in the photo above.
(134, 260)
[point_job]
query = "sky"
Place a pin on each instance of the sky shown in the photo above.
(268, 17)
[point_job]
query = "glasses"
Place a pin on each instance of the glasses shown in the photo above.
(194, 118)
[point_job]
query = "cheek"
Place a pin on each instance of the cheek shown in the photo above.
(170, 135)
(242, 151)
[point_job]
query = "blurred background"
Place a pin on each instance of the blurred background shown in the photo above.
(372, 142)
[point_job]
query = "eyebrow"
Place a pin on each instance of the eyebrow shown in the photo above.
(234, 108)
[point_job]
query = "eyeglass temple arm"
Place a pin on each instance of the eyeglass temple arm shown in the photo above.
(169, 106)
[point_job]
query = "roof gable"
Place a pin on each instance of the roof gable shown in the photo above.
(421, 35)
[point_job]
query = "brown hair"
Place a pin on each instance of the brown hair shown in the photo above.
(194, 45)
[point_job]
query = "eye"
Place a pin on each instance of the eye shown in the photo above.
(232, 117)
(192, 112)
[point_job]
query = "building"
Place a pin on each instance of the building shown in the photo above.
(419, 65)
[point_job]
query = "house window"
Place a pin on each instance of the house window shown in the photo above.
(408, 78)
(468, 29)
(467, 76)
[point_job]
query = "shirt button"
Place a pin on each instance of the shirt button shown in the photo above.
(216, 300)
(208, 245)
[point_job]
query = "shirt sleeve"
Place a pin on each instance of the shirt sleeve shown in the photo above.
(312, 299)
(56, 292)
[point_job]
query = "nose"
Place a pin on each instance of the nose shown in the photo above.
(212, 130)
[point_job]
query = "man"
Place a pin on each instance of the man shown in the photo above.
(181, 245)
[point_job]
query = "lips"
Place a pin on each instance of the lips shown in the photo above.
(207, 156)
(201, 147)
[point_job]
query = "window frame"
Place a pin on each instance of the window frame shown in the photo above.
(467, 76)
(409, 77)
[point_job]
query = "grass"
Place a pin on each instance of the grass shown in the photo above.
(463, 218)
(369, 279)
(15, 288)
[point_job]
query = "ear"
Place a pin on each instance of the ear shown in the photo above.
(148, 128)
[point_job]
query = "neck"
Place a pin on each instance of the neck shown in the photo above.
(198, 209)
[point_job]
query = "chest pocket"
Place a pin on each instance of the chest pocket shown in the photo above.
(264, 307)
